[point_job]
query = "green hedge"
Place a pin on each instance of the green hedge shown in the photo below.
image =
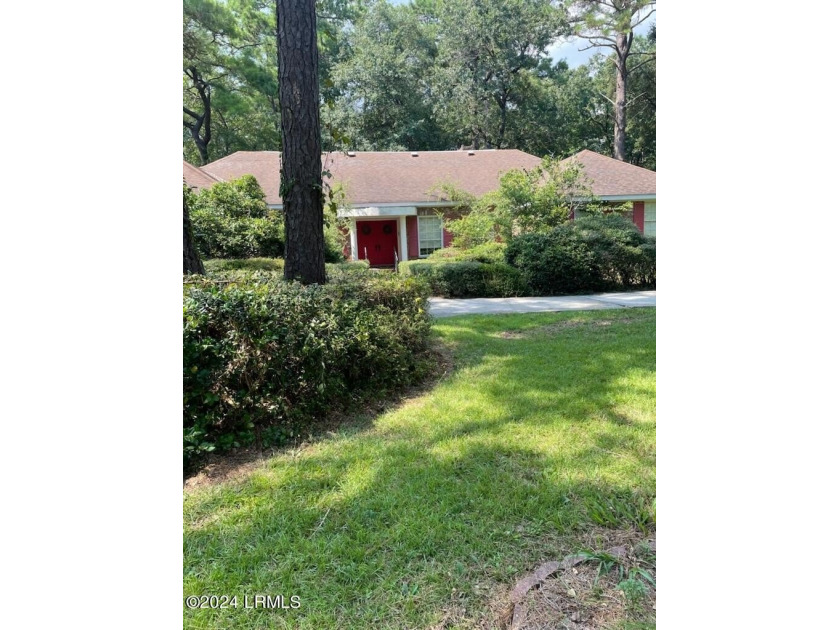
(219, 266)
(263, 358)
(486, 253)
(600, 252)
(467, 279)
(231, 220)
(593, 253)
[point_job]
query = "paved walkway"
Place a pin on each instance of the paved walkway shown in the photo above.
(442, 307)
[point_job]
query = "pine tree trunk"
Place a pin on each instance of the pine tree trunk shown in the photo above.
(300, 173)
(623, 43)
(192, 262)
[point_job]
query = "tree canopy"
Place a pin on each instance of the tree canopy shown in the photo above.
(427, 75)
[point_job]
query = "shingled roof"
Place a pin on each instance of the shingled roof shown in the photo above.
(614, 178)
(374, 177)
(196, 178)
(370, 177)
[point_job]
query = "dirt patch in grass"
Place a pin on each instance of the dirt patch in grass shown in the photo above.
(556, 327)
(608, 583)
(233, 465)
(241, 462)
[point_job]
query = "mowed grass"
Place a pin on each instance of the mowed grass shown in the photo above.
(439, 505)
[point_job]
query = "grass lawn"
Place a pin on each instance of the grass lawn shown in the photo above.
(441, 503)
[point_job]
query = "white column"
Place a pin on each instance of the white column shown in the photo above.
(354, 247)
(403, 239)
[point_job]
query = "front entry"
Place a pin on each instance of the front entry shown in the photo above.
(377, 241)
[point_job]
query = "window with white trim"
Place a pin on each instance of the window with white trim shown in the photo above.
(430, 231)
(650, 219)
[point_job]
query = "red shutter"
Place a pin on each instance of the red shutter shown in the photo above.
(411, 234)
(639, 215)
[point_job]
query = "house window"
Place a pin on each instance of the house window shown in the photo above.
(650, 219)
(430, 231)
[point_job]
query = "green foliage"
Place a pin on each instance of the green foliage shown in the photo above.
(634, 589)
(467, 279)
(544, 197)
(485, 51)
(624, 256)
(425, 75)
(238, 268)
(596, 252)
(555, 263)
(263, 358)
(527, 201)
(334, 237)
(382, 81)
(232, 220)
(249, 264)
(641, 109)
(241, 198)
(485, 252)
(230, 68)
(593, 253)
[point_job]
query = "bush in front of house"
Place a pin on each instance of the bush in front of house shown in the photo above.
(491, 252)
(263, 358)
(624, 256)
(465, 279)
(232, 220)
(601, 252)
(221, 268)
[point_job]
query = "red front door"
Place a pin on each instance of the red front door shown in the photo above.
(377, 241)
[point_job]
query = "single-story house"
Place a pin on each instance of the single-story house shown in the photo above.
(393, 211)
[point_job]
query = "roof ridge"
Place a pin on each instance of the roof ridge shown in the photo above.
(609, 157)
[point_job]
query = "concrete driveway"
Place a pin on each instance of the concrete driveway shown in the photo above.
(442, 307)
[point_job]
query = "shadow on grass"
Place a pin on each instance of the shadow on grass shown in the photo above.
(439, 504)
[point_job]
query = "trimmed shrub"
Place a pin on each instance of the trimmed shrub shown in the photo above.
(232, 220)
(219, 266)
(624, 256)
(263, 358)
(486, 253)
(593, 253)
(467, 279)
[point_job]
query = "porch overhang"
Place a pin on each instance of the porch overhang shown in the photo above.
(377, 211)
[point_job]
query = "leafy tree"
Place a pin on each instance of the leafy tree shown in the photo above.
(229, 93)
(383, 82)
(301, 185)
(610, 24)
(486, 48)
(559, 112)
(527, 201)
(230, 72)
(427, 75)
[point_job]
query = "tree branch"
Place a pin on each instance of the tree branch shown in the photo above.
(189, 112)
(635, 98)
(640, 64)
(611, 101)
(597, 45)
(646, 17)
